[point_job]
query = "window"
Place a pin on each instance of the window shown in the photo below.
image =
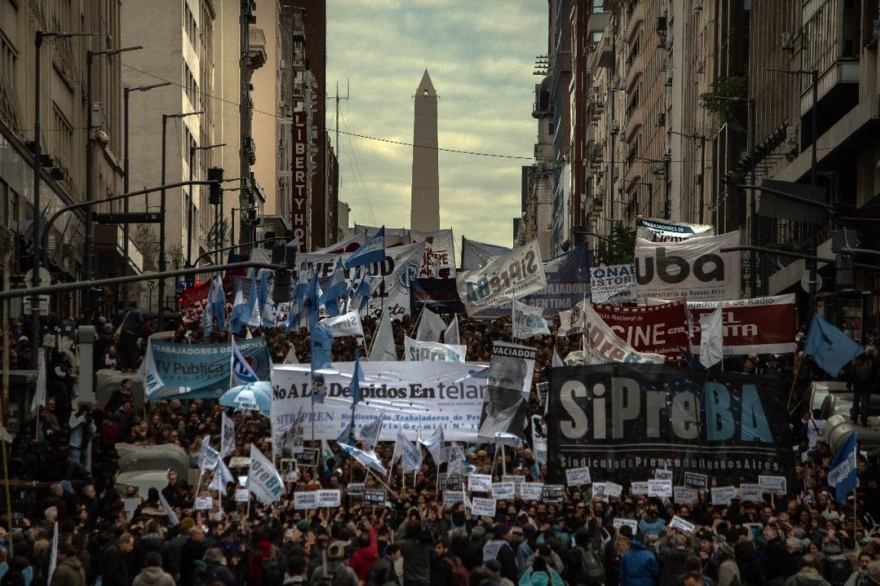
(8, 58)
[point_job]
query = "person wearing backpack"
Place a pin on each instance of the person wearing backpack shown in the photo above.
(639, 565)
(837, 567)
(860, 381)
(447, 570)
(587, 567)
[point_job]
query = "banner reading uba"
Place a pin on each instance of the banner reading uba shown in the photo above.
(623, 421)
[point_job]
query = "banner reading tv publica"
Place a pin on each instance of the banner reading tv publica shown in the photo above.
(197, 371)
(410, 394)
(657, 329)
(692, 269)
(624, 421)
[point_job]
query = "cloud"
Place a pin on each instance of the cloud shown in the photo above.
(480, 56)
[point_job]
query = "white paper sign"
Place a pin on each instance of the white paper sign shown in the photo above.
(480, 483)
(531, 491)
(679, 523)
(482, 507)
(662, 474)
(640, 488)
(612, 489)
(130, 506)
(452, 497)
(772, 484)
(516, 479)
(205, 503)
(503, 490)
(329, 498)
(599, 490)
(241, 495)
(684, 495)
(305, 500)
(577, 476)
(660, 488)
(751, 492)
(722, 495)
(632, 523)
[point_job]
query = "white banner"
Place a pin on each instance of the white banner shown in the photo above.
(263, 479)
(329, 498)
(604, 346)
(347, 324)
(227, 436)
(692, 269)
(666, 231)
(577, 476)
(722, 495)
(531, 491)
(503, 490)
(481, 507)
(305, 500)
(411, 394)
(571, 321)
(480, 483)
(439, 256)
(421, 351)
(660, 488)
(614, 284)
(515, 274)
(528, 321)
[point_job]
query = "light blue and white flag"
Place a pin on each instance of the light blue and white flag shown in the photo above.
(383, 348)
(431, 326)
(829, 347)
(370, 432)
(371, 251)
(843, 474)
(336, 289)
(410, 455)
(367, 459)
(436, 445)
(243, 308)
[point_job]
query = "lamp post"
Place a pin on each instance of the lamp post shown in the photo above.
(189, 223)
(38, 155)
(127, 177)
(702, 139)
(89, 264)
(162, 267)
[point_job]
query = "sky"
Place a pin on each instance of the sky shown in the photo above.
(480, 55)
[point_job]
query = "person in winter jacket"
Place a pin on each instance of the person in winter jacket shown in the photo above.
(499, 549)
(674, 553)
(383, 571)
(728, 571)
(540, 575)
(366, 555)
(418, 555)
(776, 558)
(114, 567)
(69, 571)
(337, 567)
(152, 573)
(215, 567)
(639, 566)
(809, 573)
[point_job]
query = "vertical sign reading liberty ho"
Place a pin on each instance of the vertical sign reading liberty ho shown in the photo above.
(299, 185)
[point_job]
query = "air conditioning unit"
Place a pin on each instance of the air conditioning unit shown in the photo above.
(597, 203)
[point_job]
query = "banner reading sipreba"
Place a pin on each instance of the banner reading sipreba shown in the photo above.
(624, 421)
(412, 395)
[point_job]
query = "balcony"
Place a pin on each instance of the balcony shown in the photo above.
(604, 56)
(635, 117)
(636, 20)
(635, 70)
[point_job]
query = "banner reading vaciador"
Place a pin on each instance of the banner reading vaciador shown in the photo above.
(625, 421)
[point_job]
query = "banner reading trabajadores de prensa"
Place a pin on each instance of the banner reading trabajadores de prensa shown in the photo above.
(197, 371)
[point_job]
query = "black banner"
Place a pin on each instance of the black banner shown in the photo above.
(624, 421)
(440, 295)
(308, 457)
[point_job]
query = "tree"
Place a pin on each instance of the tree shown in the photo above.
(622, 247)
(727, 98)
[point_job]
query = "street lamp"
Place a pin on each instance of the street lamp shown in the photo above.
(162, 268)
(89, 265)
(37, 251)
(702, 139)
(127, 176)
(753, 211)
(189, 223)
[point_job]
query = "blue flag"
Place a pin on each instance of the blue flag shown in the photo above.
(371, 251)
(829, 347)
(322, 344)
(843, 474)
(311, 303)
(691, 359)
(243, 310)
(356, 378)
(298, 299)
(336, 288)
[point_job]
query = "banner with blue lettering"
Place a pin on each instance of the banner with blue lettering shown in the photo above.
(197, 371)
(568, 282)
(625, 421)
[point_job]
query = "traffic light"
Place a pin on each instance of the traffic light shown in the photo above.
(215, 174)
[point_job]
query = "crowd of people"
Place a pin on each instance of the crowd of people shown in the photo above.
(804, 538)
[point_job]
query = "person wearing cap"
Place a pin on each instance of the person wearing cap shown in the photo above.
(499, 549)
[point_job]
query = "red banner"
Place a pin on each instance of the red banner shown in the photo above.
(764, 325)
(657, 329)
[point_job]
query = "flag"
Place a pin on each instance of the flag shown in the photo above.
(371, 251)
(207, 457)
(266, 305)
(227, 436)
(431, 326)
(507, 439)
(322, 344)
(843, 474)
(298, 298)
(40, 393)
(370, 432)
(336, 288)
(311, 302)
(356, 377)
(436, 445)
(347, 324)
(410, 454)
(829, 347)
(557, 360)
(346, 436)
(383, 348)
(368, 459)
(450, 336)
(528, 321)
(711, 338)
(5, 436)
(242, 309)
(263, 479)
(691, 359)
(172, 517)
(222, 477)
(53, 555)
(360, 297)
(242, 373)
(208, 312)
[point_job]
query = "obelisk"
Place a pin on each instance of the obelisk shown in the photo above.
(425, 211)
